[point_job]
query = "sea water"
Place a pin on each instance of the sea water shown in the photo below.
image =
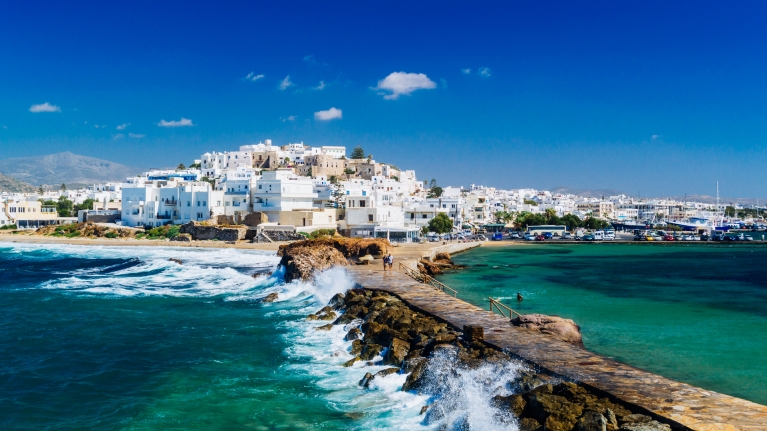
(692, 312)
(121, 338)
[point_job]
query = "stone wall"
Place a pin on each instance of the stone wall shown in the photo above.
(206, 232)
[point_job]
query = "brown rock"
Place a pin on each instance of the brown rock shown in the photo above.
(303, 258)
(645, 426)
(382, 373)
(529, 424)
(364, 381)
(182, 237)
(397, 351)
(178, 261)
(634, 418)
(356, 347)
(327, 327)
(555, 412)
(328, 316)
(353, 334)
(612, 422)
(416, 378)
(351, 361)
(473, 334)
(423, 409)
(370, 351)
(270, 297)
(562, 329)
(592, 421)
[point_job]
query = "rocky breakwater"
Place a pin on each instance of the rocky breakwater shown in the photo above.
(301, 259)
(457, 370)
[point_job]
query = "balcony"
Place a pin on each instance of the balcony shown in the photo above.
(169, 202)
(238, 192)
(162, 217)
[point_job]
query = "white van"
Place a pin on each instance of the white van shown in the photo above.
(599, 235)
(609, 234)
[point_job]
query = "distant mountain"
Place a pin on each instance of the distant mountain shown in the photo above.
(591, 193)
(8, 184)
(67, 168)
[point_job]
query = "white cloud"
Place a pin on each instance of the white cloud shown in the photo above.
(330, 114)
(466, 71)
(404, 83)
(98, 127)
(290, 118)
(654, 137)
(118, 136)
(180, 123)
(310, 59)
(253, 77)
(320, 86)
(44, 107)
(136, 135)
(123, 126)
(286, 83)
(484, 71)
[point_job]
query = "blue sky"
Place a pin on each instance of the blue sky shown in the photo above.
(650, 97)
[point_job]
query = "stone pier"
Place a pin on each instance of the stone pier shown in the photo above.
(685, 406)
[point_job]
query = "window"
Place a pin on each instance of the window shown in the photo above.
(370, 217)
(188, 203)
(204, 203)
(259, 186)
(423, 216)
(362, 203)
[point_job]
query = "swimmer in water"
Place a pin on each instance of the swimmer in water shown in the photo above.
(519, 297)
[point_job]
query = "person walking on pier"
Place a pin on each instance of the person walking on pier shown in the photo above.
(390, 261)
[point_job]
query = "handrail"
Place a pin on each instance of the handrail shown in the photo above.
(426, 279)
(500, 307)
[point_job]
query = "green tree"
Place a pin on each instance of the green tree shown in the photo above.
(729, 211)
(432, 183)
(40, 191)
(531, 202)
(358, 153)
(349, 171)
(180, 167)
(441, 223)
(63, 187)
(434, 192)
(503, 217)
(64, 207)
(86, 205)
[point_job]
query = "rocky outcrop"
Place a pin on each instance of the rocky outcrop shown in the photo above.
(182, 237)
(438, 265)
(562, 329)
(352, 248)
(386, 330)
(86, 230)
(302, 259)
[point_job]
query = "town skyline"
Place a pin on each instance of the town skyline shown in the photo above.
(672, 102)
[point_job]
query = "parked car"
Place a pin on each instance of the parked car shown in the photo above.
(705, 237)
(669, 238)
(497, 236)
(640, 237)
(566, 235)
(529, 237)
(547, 235)
(540, 237)
(515, 235)
(589, 237)
(481, 237)
(609, 235)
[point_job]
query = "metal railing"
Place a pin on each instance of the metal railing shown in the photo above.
(426, 279)
(495, 305)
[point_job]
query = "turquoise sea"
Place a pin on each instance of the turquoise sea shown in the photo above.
(119, 338)
(695, 313)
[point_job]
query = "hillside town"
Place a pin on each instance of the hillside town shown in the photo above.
(301, 188)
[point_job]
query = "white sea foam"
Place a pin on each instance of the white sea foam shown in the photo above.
(204, 272)
(458, 397)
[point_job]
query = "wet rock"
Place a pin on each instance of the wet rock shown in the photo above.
(312, 317)
(555, 412)
(592, 421)
(182, 237)
(337, 301)
(473, 334)
(514, 403)
(327, 327)
(645, 426)
(364, 381)
(353, 334)
(351, 361)
(415, 379)
(562, 329)
(612, 422)
(370, 351)
(356, 347)
(328, 316)
(634, 418)
(270, 297)
(397, 351)
(380, 374)
(529, 424)
(423, 409)
(178, 261)
(428, 268)
(302, 261)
